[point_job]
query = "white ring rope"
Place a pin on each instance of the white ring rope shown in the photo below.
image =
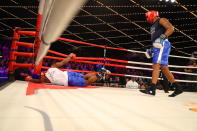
(141, 63)
(173, 66)
(183, 57)
(177, 72)
(128, 50)
(147, 77)
(186, 73)
(140, 68)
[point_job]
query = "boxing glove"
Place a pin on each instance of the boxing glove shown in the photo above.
(28, 78)
(72, 56)
(159, 42)
(102, 73)
(149, 53)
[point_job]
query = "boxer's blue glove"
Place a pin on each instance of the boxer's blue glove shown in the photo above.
(158, 43)
(102, 73)
(149, 53)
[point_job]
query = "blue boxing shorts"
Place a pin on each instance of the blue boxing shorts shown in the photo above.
(160, 55)
(76, 79)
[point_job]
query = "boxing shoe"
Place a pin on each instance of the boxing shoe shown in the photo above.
(150, 91)
(178, 90)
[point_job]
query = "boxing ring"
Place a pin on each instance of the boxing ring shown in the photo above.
(89, 60)
(29, 106)
(98, 109)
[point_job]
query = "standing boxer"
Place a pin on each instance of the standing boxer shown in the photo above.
(160, 30)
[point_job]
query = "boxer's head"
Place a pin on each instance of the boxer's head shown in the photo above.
(151, 16)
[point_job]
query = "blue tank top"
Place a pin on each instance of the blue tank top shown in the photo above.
(76, 79)
(156, 30)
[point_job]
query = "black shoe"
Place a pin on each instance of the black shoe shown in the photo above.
(144, 91)
(165, 89)
(177, 91)
(148, 91)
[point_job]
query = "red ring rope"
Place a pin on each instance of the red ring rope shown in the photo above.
(90, 62)
(74, 41)
(101, 46)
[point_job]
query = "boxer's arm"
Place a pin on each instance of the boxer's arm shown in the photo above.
(158, 43)
(91, 80)
(36, 80)
(41, 80)
(63, 62)
(167, 25)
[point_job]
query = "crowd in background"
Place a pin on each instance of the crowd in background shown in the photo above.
(4, 57)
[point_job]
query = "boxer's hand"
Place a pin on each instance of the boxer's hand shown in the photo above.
(72, 56)
(28, 78)
(101, 75)
(149, 53)
(163, 36)
(158, 43)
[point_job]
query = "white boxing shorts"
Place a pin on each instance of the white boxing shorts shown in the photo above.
(57, 76)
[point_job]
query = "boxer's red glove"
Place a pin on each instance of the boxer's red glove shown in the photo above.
(42, 74)
(72, 56)
(28, 78)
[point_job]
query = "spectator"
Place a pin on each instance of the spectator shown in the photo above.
(132, 83)
(106, 81)
(117, 82)
(123, 82)
(126, 80)
(111, 82)
(191, 86)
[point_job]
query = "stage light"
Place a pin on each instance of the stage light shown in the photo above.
(168, 0)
